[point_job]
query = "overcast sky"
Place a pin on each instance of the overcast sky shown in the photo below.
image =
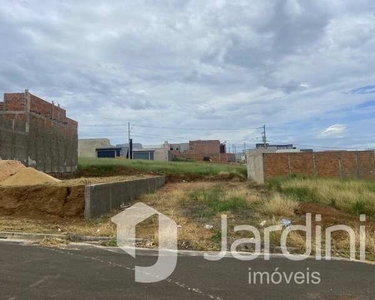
(306, 69)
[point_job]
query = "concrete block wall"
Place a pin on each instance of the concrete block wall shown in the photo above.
(13, 139)
(328, 164)
(38, 134)
(255, 168)
(100, 199)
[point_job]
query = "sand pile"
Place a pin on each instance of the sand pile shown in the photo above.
(29, 176)
(8, 168)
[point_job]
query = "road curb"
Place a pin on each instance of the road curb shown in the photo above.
(7, 235)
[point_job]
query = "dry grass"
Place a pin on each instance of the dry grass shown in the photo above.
(279, 205)
(53, 242)
(99, 227)
(352, 196)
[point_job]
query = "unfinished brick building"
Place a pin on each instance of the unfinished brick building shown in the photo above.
(211, 150)
(37, 133)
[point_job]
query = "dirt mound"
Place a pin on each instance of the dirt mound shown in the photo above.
(28, 177)
(42, 201)
(8, 168)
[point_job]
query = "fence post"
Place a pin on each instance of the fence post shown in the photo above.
(314, 164)
(357, 165)
(289, 167)
(4, 103)
(340, 167)
(27, 126)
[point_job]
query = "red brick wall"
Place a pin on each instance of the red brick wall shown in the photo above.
(302, 164)
(200, 149)
(47, 109)
(329, 164)
(14, 101)
(275, 165)
(205, 147)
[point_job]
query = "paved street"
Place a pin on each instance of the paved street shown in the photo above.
(30, 272)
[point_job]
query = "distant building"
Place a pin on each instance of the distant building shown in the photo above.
(276, 147)
(279, 148)
(125, 148)
(202, 150)
(111, 152)
(144, 154)
(87, 147)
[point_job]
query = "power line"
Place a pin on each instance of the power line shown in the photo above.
(103, 125)
(165, 127)
(328, 147)
(190, 128)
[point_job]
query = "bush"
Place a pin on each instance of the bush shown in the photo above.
(280, 205)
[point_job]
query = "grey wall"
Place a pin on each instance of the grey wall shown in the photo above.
(13, 140)
(255, 168)
(163, 154)
(87, 147)
(47, 149)
(100, 199)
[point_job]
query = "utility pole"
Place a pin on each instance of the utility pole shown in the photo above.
(264, 137)
(244, 148)
(129, 153)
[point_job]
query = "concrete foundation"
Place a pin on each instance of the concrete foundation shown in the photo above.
(255, 169)
(100, 199)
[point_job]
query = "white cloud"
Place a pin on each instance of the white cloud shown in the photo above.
(335, 130)
(188, 64)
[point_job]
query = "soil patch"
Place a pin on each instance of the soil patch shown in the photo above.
(330, 215)
(45, 199)
(8, 168)
(38, 201)
(98, 180)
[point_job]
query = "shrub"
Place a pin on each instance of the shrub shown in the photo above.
(280, 205)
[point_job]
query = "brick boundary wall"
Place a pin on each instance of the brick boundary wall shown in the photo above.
(328, 164)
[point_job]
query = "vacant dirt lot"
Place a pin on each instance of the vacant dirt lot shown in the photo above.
(63, 199)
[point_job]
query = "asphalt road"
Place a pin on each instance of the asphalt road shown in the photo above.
(30, 272)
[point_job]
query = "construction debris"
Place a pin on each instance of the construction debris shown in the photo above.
(286, 223)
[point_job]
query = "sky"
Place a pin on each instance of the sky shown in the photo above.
(186, 70)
